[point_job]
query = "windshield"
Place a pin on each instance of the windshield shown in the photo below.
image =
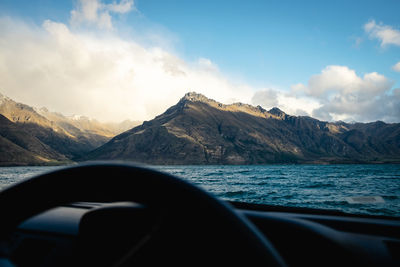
(284, 103)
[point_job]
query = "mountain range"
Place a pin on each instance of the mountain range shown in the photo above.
(31, 136)
(199, 130)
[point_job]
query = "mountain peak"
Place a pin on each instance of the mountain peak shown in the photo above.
(195, 97)
(43, 109)
(235, 107)
(3, 98)
(277, 112)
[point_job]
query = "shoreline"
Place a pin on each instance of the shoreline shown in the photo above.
(55, 164)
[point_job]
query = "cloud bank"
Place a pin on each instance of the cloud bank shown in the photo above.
(338, 93)
(343, 95)
(99, 74)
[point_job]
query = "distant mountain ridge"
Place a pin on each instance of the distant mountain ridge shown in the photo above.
(19, 147)
(199, 130)
(31, 136)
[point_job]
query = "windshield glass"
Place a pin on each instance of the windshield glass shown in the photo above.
(285, 103)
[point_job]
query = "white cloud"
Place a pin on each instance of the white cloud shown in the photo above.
(290, 103)
(343, 95)
(267, 98)
(297, 105)
(384, 33)
(96, 13)
(340, 79)
(124, 6)
(101, 76)
(207, 65)
(396, 67)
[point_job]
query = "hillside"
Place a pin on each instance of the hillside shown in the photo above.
(31, 136)
(198, 130)
(19, 147)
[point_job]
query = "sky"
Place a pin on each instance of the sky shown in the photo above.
(132, 59)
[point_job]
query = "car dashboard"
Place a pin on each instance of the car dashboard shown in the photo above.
(302, 237)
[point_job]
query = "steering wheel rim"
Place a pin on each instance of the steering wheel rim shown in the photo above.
(103, 182)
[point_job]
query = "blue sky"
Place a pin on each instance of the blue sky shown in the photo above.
(279, 42)
(267, 46)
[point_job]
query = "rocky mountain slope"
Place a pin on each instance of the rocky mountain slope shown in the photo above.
(19, 147)
(198, 130)
(38, 136)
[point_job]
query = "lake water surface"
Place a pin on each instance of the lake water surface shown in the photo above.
(361, 189)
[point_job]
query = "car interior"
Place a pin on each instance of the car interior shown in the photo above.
(118, 214)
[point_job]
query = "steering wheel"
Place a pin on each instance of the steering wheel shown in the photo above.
(189, 225)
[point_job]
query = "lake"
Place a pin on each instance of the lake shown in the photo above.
(359, 189)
